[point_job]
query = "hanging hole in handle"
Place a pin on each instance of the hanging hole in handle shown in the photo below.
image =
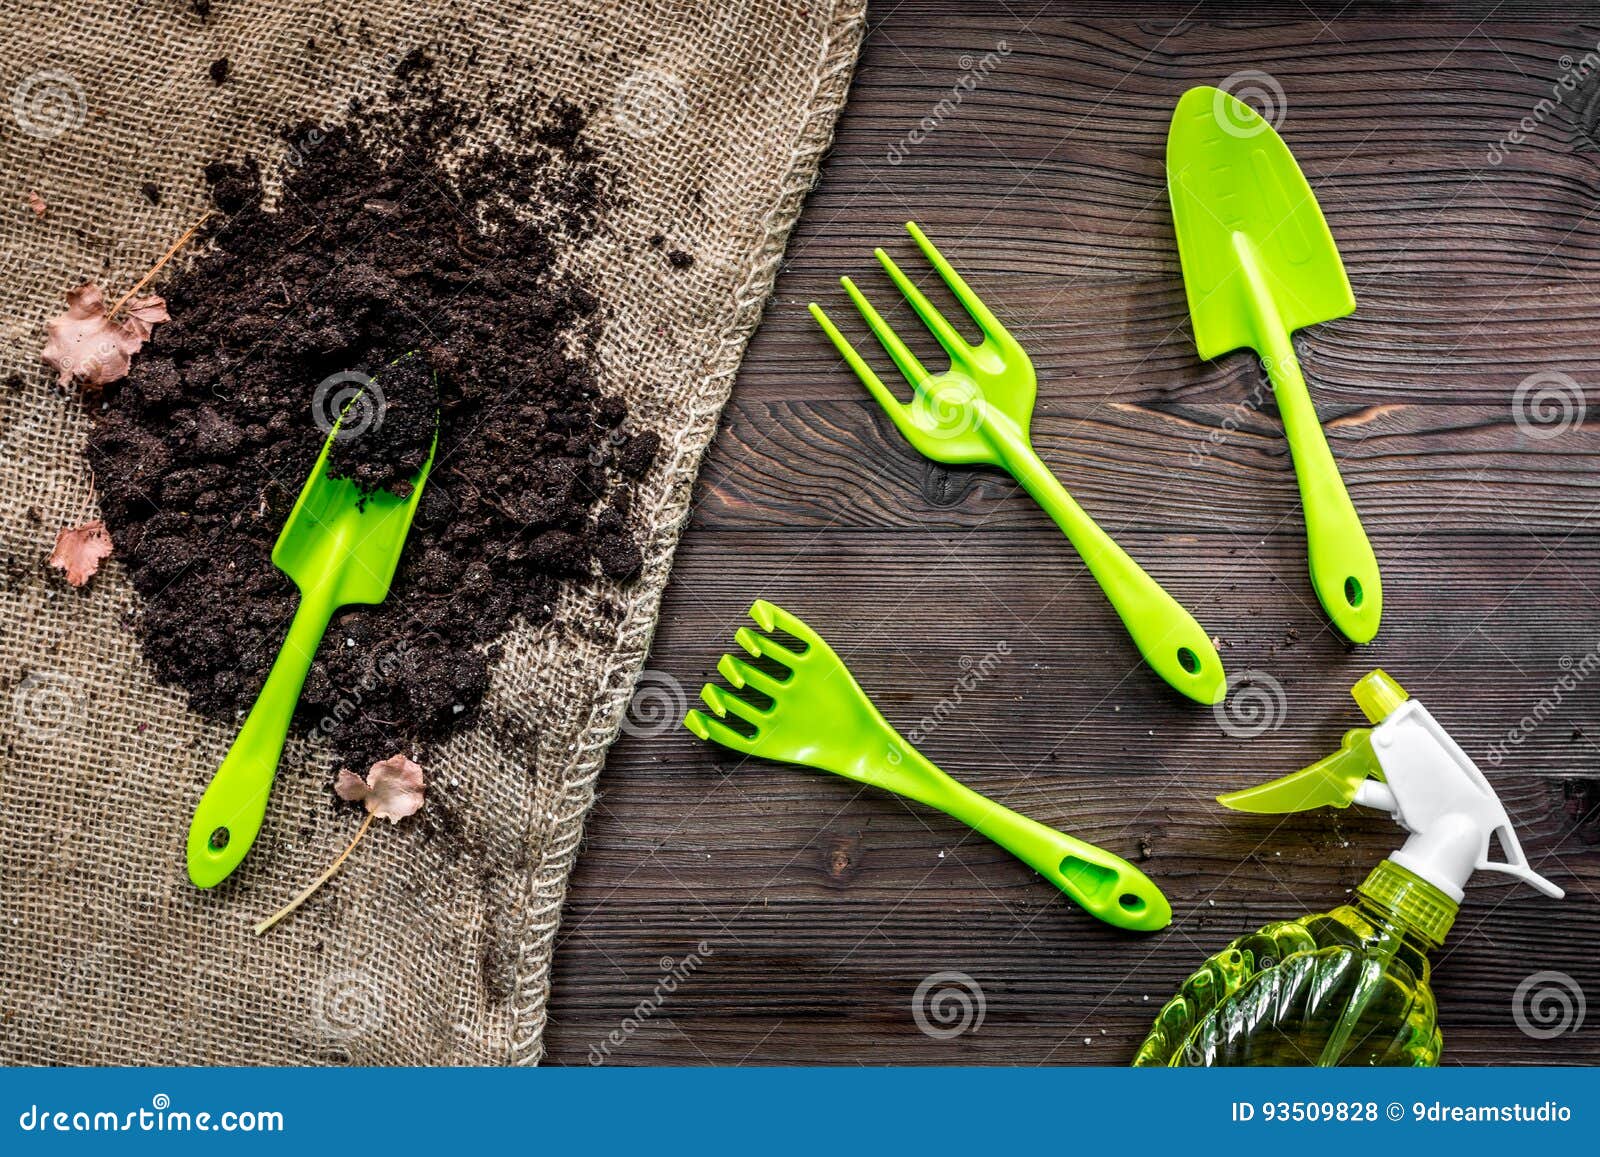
(1352, 591)
(1188, 660)
(1130, 902)
(218, 840)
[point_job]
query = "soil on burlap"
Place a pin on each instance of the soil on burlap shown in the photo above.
(391, 236)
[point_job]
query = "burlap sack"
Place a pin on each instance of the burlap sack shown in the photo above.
(419, 953)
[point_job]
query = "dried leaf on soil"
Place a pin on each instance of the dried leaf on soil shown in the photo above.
(86, 346)
(391, 791)
(79, 550)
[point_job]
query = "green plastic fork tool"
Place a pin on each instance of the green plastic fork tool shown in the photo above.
(1258, 264)
(340, 546)
(978, 412)
(819, 717)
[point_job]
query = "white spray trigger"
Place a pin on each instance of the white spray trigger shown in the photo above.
(1434, 790)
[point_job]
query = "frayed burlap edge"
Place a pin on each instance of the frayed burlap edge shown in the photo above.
(538, 908)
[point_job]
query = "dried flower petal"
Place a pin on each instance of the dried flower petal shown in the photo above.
(349, 785)
(392, 790)
(79, 550)
(88, 347)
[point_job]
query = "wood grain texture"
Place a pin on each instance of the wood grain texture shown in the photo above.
(822, 906)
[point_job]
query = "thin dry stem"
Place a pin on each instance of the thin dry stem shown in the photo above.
(156, 268)
(266, 925)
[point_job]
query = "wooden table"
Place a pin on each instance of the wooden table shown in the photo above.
(822, 907)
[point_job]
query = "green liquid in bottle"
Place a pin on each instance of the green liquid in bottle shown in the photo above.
(1347, 987)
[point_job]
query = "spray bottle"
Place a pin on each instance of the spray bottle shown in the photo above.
(1351, 986)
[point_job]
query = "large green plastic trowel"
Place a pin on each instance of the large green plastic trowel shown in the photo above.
(1258, 264)
(340, 546)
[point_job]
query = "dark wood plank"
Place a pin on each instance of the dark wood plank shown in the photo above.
(822, 906)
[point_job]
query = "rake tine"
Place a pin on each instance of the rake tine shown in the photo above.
(742, 674)
(764, 648)
(954, 344)
(770, 616)
(987, 322)
(724, 702)
(906, 361)
(705, 727)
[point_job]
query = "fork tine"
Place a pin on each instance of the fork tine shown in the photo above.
(723, 702)
(710, 729)
(987, 322)
(892, 405)
(764, 648)
(906, 361)
(954, 344)
(742, 674)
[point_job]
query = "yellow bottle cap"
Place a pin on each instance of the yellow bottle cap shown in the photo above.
(1377, 695)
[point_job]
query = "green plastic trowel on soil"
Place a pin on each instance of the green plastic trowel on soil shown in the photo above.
(340, 545)
(1258, 264)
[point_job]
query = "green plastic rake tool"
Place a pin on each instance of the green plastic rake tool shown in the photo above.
(816, 715)
(978, 411)
(1258, 264)
(340, 546)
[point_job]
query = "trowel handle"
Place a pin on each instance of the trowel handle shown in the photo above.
(1171, 641)
(1344, 571)
(230, 812)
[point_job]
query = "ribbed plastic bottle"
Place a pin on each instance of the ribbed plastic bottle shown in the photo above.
(1351, 986)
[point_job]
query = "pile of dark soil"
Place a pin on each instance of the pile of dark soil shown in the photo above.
(392, 235)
